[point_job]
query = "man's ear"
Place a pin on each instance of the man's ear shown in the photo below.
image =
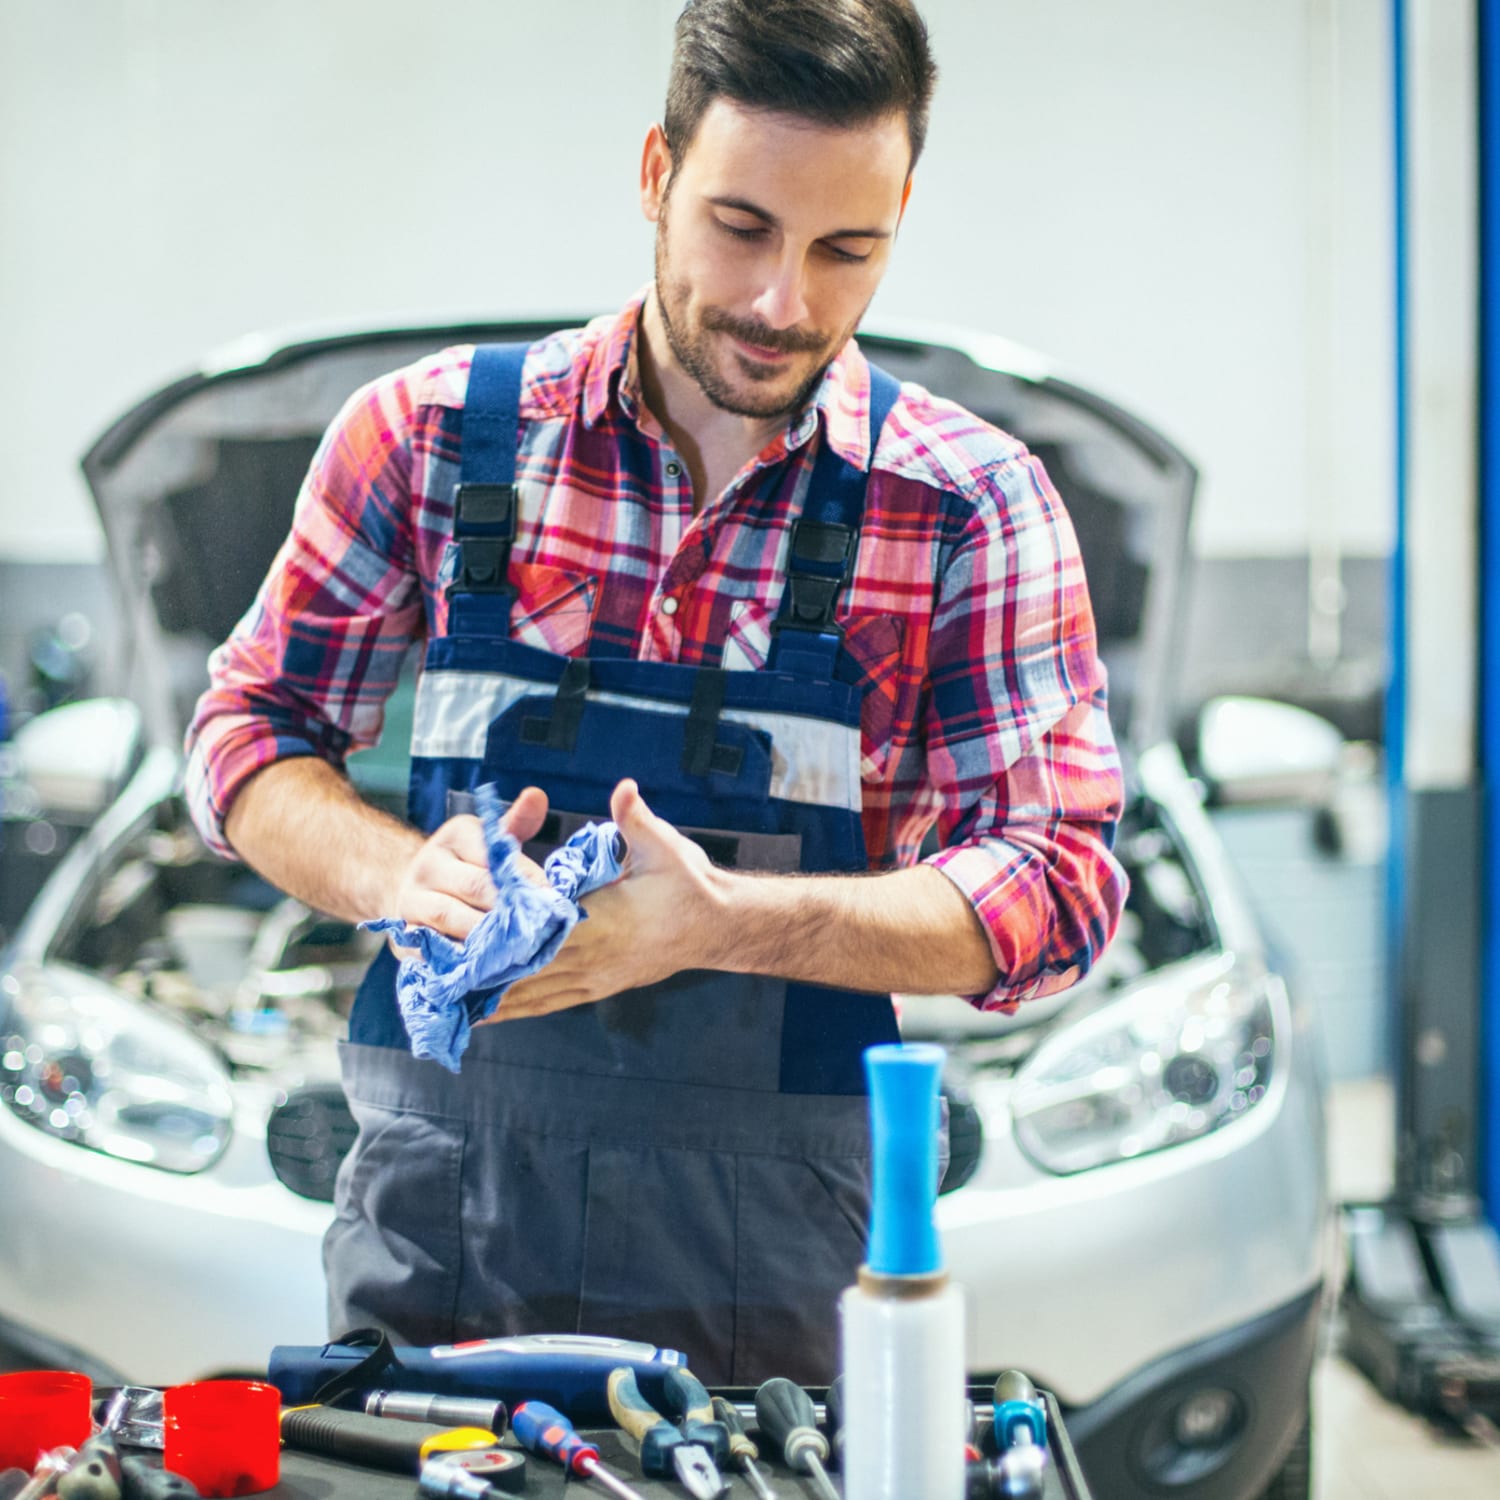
(656, 171)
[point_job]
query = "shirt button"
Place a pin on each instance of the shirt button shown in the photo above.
(674, 468)
(669, 605)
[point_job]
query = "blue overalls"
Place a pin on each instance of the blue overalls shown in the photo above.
(686, 1164)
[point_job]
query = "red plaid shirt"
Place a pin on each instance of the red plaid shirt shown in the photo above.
(984, 698)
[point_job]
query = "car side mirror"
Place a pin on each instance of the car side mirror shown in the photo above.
(77, 758)
(1254, 750)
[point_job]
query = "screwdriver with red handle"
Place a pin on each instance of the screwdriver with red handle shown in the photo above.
(543, 1430)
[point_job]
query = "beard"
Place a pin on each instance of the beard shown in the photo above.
(692, 343)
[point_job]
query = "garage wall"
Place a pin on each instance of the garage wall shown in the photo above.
(1186, 204)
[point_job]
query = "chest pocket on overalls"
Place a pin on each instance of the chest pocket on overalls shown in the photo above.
(873, 643)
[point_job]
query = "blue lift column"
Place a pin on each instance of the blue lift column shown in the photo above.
(1422, 1298)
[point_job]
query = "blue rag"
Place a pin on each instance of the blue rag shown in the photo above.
(448, 986)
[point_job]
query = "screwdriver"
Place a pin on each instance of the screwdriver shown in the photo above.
(787, 1416)
(741, 1450)
(664, 1451)
(542, 1429)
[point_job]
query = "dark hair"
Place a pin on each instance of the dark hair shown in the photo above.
(837, 62)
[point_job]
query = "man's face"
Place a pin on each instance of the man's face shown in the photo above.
(772, 235)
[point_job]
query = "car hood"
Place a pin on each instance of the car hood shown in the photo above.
(196, 483)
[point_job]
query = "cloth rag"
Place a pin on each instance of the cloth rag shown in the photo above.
(446, 986)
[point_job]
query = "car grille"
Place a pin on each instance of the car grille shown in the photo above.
(308, 1136)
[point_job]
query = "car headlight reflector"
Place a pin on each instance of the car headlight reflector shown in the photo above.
(80, 1061)
(1169, 1060)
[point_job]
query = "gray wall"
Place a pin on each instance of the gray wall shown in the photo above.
(1185, 203)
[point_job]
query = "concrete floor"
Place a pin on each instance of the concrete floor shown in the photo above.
(1364, 1448)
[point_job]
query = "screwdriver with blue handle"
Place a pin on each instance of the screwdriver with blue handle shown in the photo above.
(543, 1430)
(664, 1450)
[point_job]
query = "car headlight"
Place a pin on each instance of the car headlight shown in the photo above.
(1173, 1058)
(89, 1065)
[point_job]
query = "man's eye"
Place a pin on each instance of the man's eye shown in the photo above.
(740, 232)
(847, 255)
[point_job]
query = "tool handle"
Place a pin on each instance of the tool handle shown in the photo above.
(833, 1404)
(543, 1429)
(1019, 1416)
(142, 1480)
(787, 1416)
(740, 1446)
(643, 1422)
(401, 1447)
(685, 1396)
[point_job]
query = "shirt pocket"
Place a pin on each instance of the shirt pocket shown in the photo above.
(553, 609)
(873, 642)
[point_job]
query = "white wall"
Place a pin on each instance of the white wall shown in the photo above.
(1186, 204)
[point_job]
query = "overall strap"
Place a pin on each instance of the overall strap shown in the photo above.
(484, 499)
(820, 559)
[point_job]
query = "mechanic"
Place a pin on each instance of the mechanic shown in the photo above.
(662, 1135)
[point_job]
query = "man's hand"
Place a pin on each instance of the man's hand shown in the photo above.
(657, 919)
(446, 884)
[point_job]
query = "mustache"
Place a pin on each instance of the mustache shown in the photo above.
(782, 340)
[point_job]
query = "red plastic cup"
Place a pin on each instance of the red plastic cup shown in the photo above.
(42, 1409)
(224, 1435)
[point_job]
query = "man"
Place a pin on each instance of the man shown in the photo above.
(703, 569)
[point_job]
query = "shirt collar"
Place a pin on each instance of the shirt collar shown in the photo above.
(842, 396)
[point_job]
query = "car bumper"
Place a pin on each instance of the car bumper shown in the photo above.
(1212, 1421)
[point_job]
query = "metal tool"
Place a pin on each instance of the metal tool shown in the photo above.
(401, 1447)
(1020, 1422)
(742, 1452)
(133, 1413)
(543, 1430)
(664, 1450)
(446, 1411)
(688, 1401)
(786, 1415)
(44, 1476)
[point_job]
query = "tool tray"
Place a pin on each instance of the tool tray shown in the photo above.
(306, 1476)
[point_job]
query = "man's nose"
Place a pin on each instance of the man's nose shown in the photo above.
(782, 302)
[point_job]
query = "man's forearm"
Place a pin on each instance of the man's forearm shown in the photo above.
(302, 825)
(911, 931)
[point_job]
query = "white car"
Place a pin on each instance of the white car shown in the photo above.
(1136, 1206)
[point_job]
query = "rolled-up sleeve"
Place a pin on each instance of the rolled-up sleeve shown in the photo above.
(309, 667)
(1019, 746)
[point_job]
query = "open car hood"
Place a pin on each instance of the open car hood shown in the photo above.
(195, 486)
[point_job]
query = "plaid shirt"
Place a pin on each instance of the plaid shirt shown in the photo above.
(984, 699)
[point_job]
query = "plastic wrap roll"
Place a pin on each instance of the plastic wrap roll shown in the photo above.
(904, 1388)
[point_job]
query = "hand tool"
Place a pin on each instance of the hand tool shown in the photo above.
(12, 1482)
(446, 1411)
(401, 1447)
(44, 1476)
(566, 1369)
(687, 1400)
(741, 1450)
(542, 1429)
(1020, 1423)
(94, 1473)
(133, 1414)
(833, 1407)
(786, 1416)
(664, 1450)
(473, 1476)
(1019, 1414)
(141, 1479)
